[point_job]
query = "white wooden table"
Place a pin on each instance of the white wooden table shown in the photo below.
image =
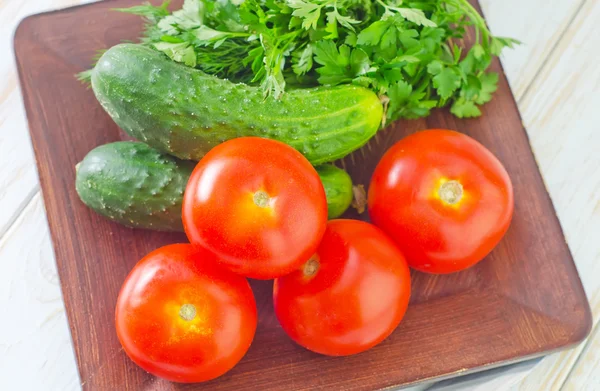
(555, 77)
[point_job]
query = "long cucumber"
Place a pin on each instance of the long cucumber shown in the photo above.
(186, 112)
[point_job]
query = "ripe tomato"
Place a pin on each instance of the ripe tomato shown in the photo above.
(184, 318)
(443, 198)
(349, 296)
(258, 204)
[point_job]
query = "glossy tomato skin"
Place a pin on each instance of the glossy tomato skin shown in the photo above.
(258, 204)
(408, 199)
(192, 344)
(352, 298)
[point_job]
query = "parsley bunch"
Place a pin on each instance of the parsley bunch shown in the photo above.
(410, 52)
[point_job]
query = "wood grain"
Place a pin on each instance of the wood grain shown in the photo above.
(566, 102)
(66, 122)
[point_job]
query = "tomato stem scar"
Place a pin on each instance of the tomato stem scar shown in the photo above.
(187, 312)
(451, 192)
(261, 199)
(311, 267)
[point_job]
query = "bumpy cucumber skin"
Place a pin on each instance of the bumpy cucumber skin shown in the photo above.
(338, 189)
(134, 184)
(185, 112)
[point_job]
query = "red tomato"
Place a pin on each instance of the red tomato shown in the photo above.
(349, 296)
(182, 317)
(258, 204)
(443, 198)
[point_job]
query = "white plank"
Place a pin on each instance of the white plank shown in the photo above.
(18, 178)
(561, 117)
(538, 24)
(35, 344)
(498, 379)
(585, 375)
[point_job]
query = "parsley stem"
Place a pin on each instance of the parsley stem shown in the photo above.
(446, 47)
(386, 7)
(477, 18)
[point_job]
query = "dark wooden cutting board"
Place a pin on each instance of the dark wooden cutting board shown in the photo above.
(524, 300)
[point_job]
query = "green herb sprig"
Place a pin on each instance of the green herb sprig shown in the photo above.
(410, 52)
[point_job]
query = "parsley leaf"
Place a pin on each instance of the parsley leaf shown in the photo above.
(471, 89)
(150, 12)
(446, 82)
(416, 16)
(331, 27)
(309, 12)
(360, 63)
(190, 16)
(463, 108)
(499, 43)
(371, 36)
(302, 62)
(406, 103)
(273, 60)
(339, 65)
(489, 85)
(399, 93)
(344, 21)
(207, 35)
(178, 52)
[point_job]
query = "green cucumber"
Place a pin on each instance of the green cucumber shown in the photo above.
(186, 112)
(338, 189)
(134, 184)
